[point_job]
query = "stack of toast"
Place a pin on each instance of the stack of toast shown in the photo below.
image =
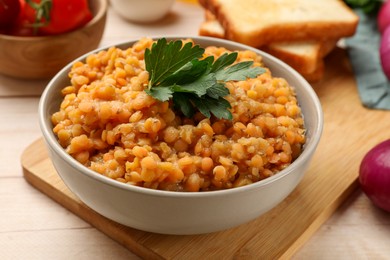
(299, 32)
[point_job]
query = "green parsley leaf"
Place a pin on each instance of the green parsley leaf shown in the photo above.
(182, 102)
(219, 107)
(218, 90)
(160, 93)
(239, 71)
(194, 83)
(223, 61)
(187, 74)
(164, 59)
(199, 86)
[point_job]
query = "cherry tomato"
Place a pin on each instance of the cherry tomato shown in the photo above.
(65, 15)
(57, 16)
(9, 12)
(21, 26)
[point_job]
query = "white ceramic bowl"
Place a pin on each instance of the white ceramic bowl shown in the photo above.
(178, 212)
(142, 11)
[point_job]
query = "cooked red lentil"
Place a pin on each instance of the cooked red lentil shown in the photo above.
(110, 124)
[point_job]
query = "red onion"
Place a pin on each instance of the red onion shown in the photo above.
(383, 18)
(384, 52)
(374, 175)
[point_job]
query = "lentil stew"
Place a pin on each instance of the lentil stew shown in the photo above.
(109, 123)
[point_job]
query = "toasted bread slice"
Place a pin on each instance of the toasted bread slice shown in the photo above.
(317, 74)
(261, 22)
(302, 56)
(305, 57)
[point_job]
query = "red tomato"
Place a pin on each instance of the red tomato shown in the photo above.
(67, 15)
(9, 11)
(22, 26)
(59, 16)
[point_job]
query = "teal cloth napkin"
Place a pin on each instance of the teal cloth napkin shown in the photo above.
(363, 51)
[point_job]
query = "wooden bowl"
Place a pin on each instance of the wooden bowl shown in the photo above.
(41, 57)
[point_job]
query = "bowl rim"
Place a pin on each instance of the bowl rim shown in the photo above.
(99, 15)
(308, 151)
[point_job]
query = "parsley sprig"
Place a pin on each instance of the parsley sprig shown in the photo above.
(179, 73)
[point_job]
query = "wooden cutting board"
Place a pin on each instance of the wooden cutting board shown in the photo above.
(349, 132)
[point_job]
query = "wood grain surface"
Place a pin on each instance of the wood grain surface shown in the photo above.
(349, 131)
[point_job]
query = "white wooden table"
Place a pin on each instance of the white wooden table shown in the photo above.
(32, 226)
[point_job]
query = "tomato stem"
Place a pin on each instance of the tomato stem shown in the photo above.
(42, 15)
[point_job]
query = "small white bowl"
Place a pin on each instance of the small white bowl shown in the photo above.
(183, 212)
(142, 11)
